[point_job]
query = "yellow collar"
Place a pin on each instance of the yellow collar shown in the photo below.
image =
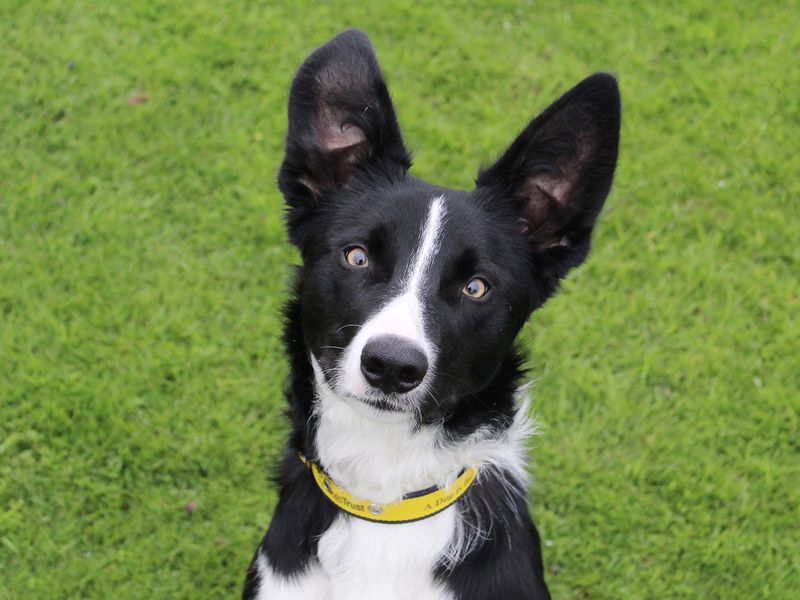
(412, 507)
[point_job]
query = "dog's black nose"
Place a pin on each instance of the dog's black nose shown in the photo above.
(393, 364)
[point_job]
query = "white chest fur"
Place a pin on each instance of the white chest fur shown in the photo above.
(358, 560)
(382, 459)
(380, 456)
(391, 562)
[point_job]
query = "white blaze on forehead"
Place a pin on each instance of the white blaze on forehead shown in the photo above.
(429, 246)
(403, 315)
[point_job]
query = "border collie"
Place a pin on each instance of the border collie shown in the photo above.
(405, 474)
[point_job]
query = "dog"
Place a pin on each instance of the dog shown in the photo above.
(405, 473)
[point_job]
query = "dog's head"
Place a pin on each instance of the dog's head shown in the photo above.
(412, 294)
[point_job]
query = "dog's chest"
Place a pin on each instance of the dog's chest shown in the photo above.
(360, 559)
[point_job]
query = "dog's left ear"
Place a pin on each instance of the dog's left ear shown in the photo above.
(559, 171)
(341, 120)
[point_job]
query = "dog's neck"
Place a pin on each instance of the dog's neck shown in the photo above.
(382, 457)
(378, 457)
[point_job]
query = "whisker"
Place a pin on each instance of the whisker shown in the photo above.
(430, 393)
(450, 376)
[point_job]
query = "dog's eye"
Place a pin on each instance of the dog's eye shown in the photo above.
(356, 256)
(476, 288)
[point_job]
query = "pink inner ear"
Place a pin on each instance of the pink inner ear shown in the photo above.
(336, 136)
(544, 198)
(548, 196)
(556, 188)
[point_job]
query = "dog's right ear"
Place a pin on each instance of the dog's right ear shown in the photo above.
(341, 120)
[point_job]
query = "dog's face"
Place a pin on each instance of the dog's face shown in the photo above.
(413, 294)
(409, 297)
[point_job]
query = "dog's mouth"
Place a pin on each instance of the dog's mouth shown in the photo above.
(370, 396)
(376, 400)
(381, 404)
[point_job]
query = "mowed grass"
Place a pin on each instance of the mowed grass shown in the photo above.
(143, 267)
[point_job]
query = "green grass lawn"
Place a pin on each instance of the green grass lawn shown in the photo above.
(143, 267)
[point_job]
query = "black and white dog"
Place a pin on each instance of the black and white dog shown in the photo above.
(405, 475)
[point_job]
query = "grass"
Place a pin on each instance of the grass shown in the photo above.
(143, 265)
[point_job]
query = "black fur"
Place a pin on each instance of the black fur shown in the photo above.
(508, 565)
(527, 223)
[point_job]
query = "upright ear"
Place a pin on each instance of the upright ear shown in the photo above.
(341, 119)
(559, 172)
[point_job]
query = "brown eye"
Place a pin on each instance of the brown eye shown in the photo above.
(476, 288)
(356, 256)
